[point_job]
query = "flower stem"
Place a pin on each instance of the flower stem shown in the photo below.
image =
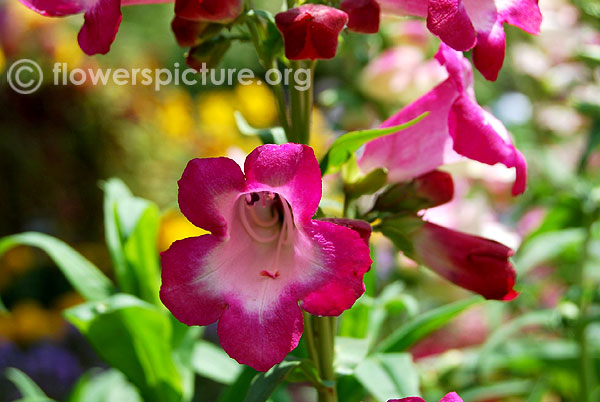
(324, 341)
(281, 105)
(301, 103)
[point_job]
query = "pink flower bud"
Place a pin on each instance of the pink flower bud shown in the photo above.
(222, 11)
(436, 187)
(311, 31)
(364, 15)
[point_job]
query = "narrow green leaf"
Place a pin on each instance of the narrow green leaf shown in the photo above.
(134, 337)
(88, 280)
(240, 387)
(264, 384)
(344, 147)
(212, 362)
(104, 386)
(131, 230)
(424, 324)
(499, 390)
(545, 247)
(29, 390)
(389, 376)
(274, 135)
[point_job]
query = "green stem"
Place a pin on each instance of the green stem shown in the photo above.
(281, 105)
(324, 341)
(308, 104)
(301, 103)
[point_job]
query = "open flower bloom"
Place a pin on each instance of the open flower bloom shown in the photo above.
(473, 24)
(102, 18)
(265, 253)
(451, 397)
(311, 31)
(363, 15)
(221, 11)
(471, 262)
(456, 125)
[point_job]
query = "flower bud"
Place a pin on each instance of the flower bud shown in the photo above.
(311, 31)
(208, 54)
(222, 11)
(186, 31)
(364, 15)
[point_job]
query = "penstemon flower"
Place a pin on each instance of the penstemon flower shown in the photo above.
(311, 31)
(265, 253)
(456, 124)
(102, 18)
(221, 11)
(473, 24)
(451, 397)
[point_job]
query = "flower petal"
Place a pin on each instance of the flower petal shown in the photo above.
(102, 22)
(417, 8)
(186, 288)
(208, 189)
(451, 397)
(449, 20)
(488, 55)
(291, 170)
(420, 148)
(409, 399)
(524, 14)
(262, 338)
(57, 8)
(345, 257)
(480, 136)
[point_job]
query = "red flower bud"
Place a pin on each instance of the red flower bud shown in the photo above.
(222, 11)
(364, 15)
(186, 31)
(436, 187)
(311, 31)
(472, 262)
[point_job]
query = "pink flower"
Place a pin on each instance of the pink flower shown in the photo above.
(455, 124)
(221, 11)
(364, 15)
(311, 31)
(471, 262)
(451, 397)
(102, 18)
(477, 24)
(265, 253)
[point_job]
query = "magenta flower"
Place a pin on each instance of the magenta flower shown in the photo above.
(311, 31)
(455, 124)
(265, 253)
(221, 11)
(102, 18)
(473, 24)
(451, 397)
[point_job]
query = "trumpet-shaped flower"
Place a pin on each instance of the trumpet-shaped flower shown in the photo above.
(265, 259)
(102, 18)
(221, 11)
(456, 124)
(451, 397)
(474, 24)
(311, 31)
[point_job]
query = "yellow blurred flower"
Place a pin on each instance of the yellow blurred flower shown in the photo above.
(321, 136)
(257, 103)
(216, 110)
(66, 50)
(2, 61)
(174, 226)
(29, 322)
(15, 262)
(174, 115)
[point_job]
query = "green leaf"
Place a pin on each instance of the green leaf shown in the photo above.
(546, 247)
(240, 387)
(424, 324)
(264, 384)
(134, 337)
(499, 390)
(349, 353)
(345, 146)
(389, 376)
(107, 386)
(274, 135)
(85, 278)
(212, 362)
(131, 226)
(27, 387)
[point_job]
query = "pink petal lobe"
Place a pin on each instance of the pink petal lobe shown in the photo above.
(361, 227)
(208, 189)
(420, 148)
(186, 288)
(344, 261)
(480, 136)
(524, 14)
(449, 20)
(100, 28)
(409, 399)
(261, 339)
(451, 397)
(488, 55)
(291, 170)
(57, 8)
